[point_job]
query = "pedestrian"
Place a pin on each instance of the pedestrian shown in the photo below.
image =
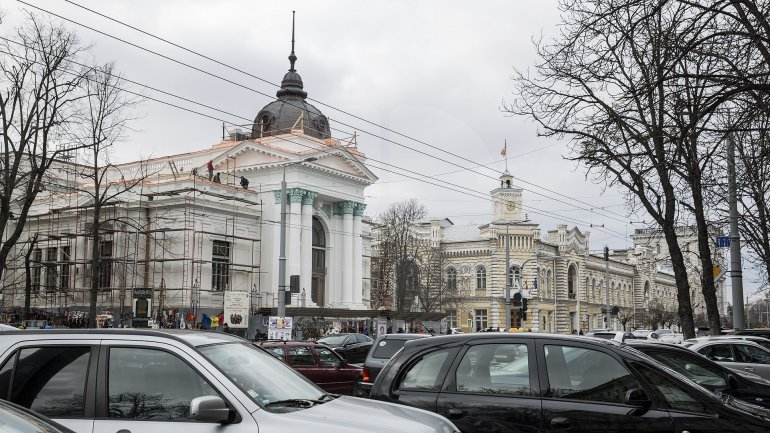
(210, 167)
(580, 332)
(244, 182)
(216, 178)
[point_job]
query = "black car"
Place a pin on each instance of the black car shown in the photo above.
(759, 332)
(707, 373)
(527, 382)
(353, 347)
(384, 347)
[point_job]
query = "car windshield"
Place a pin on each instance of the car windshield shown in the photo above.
(333, 340)
(264, 378)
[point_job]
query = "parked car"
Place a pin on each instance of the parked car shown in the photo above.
(619, 336)
(762, 341)
(352, 347)
(666, 336)
(707, 373)
(545, 383)
(382, 350)
(761, 332)
(736, 354)
(121, 380)
(317, 362)
(642, 333)
(17, 419)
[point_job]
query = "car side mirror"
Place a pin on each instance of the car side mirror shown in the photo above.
(732, 382)
(209, 408)
(637, 397)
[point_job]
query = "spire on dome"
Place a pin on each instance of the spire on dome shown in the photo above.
(292, 56)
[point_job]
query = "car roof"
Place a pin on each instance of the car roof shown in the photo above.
(193, 338)
(711, 342)
(289, 343)
(402, 336)
(475, 336)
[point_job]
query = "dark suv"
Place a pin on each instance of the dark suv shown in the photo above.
(382, 350)
(530, 382)
(352, 347)
(317, 362)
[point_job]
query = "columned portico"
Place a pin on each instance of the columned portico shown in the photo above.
(357, 266)
(295, 230)
(347, 251)
(306, 249)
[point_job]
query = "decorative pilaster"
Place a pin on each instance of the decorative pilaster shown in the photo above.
(306, 249)
(358, 281)
(277, 195)
(347, 251)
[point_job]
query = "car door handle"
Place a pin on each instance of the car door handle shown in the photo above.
(455, 413)
(123, 431)
(560, 422)
(748, 368)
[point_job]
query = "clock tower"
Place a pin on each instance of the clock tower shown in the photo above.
(506, 200)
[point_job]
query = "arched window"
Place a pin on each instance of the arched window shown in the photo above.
(481, 278)
(514, 274)
(572, 282)
(451, 279)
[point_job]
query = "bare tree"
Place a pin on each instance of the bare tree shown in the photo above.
(40, 93)
(603, 85)
(103, 123)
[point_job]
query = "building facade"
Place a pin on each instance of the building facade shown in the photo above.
(193, 226)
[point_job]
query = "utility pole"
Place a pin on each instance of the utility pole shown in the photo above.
(507, 279)
(736, 273)
(607, 284)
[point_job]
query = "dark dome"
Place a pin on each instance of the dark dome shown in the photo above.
(280, 116)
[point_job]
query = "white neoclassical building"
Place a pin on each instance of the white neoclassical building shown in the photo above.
(205, 222)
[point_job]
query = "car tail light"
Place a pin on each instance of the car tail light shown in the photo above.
(366, 375)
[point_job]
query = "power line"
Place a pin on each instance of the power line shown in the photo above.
(617, 217)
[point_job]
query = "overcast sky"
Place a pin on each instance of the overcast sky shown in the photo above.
(436, 72)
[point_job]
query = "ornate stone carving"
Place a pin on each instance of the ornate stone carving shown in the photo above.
(296, 194)
(309, 197)
(359, 210)
(348, 207)
(277, 196)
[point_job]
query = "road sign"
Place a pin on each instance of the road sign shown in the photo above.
(718, 273)
(723, 241)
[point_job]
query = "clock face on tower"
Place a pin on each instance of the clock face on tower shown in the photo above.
(510, 205)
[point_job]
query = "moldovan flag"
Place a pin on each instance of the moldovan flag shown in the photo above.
(505, 149)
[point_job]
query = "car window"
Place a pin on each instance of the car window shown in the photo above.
(675, 396)
(51, 380)
(327, 358)
(494, 369)
(300, 356)
(386, 348)
(697, 370)
(148, 384)
(746, 353)
(424, 374)
(718, 352)
(275, 351)
(586, 374)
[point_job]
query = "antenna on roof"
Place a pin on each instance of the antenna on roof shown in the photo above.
(292, 56)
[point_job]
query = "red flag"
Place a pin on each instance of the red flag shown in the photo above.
(505, 149)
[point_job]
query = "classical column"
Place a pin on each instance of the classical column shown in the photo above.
(358, 262)
(295, 230)
(347, 252)
(306, 250)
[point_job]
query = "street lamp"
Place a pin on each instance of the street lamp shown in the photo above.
(282, 254)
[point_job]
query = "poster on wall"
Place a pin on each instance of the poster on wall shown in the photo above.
(237, 309)
(279, 328)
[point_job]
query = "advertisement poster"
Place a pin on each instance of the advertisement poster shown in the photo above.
(279, 328)
(382, 326)
(237, 309)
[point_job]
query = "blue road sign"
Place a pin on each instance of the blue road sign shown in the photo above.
(723, 241)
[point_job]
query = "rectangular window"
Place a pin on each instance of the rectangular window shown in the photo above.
(64, 274)
(451, 318)
(220, 266)
(50, 268)
(37, 258)
(105, 265)
(480, 319)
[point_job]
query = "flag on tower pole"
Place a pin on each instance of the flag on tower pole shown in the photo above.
(505, 148)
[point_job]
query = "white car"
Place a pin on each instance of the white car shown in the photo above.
(741, 355)
(666, 336)
(642, 333)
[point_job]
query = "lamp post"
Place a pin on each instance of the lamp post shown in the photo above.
(282, 253)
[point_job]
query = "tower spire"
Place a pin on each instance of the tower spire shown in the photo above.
(292, 56)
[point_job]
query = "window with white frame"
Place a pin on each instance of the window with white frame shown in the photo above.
(451, 318)
(480, 319)
(451, 279)
(481, 278)
(220, 265)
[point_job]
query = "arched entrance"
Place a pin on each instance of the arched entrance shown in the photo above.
(318, 283)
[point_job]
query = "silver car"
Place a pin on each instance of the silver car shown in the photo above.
(739, 355)
(128, 380)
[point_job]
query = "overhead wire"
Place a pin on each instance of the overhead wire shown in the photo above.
(611, 215)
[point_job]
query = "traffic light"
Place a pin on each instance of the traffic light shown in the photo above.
(523, 317)
(606, 253)
(524, 305)
(517, 299)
